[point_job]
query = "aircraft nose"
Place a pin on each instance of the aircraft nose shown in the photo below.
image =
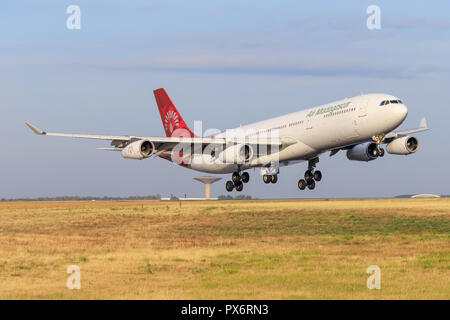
(402, 111)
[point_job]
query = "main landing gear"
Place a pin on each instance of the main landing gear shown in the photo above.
(311, 176)
(267, 178)
(237, 181)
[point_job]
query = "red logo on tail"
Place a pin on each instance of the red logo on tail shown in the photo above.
(173, 123)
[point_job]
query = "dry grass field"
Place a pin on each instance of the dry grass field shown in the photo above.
(311, 249)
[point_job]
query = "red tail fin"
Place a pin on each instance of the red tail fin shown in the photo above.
(173, 123)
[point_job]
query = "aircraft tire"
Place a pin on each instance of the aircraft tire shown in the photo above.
(309, 176)
(274, 178)
(317, 175)
(245, 177)
(311, 185)
(302, 184)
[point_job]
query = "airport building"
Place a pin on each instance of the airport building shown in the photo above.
(425, 196)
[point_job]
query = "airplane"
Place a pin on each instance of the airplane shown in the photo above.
(359, 126)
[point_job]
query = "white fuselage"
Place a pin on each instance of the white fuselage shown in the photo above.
(316, 130)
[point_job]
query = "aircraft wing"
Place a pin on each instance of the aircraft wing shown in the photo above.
(422, 127)
(162, 142)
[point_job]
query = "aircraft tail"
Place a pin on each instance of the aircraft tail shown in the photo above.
(173, 123)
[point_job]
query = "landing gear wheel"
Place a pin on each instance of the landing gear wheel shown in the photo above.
(245, 177)
(267, 178)
(309, 175)
(235, 177)
(274, 178)
(229, 186)
(239, 186)
(302, 184)
(381, 152)
(311, 185)
(317, 175)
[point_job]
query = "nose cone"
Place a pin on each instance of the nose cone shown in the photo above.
(401, 111)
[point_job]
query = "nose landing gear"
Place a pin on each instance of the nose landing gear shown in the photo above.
(379, 140)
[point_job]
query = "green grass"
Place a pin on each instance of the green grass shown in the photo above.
(229, 250)
(291, 223)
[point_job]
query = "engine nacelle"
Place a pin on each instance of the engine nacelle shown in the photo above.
(403, 145)
(138, 150)
(238, 153)
(363, 152)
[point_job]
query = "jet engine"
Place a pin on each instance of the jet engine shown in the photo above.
(403, 145)
(139, 150)
(363, 152)
(238, 153)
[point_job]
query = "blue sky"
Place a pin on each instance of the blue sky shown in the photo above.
(225, 63)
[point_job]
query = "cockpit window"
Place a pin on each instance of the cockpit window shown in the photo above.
(386, 102)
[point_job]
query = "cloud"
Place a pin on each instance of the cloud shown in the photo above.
(259, 42)
(417, 23)
(153, 7)
(281, 66)
(355, 25)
